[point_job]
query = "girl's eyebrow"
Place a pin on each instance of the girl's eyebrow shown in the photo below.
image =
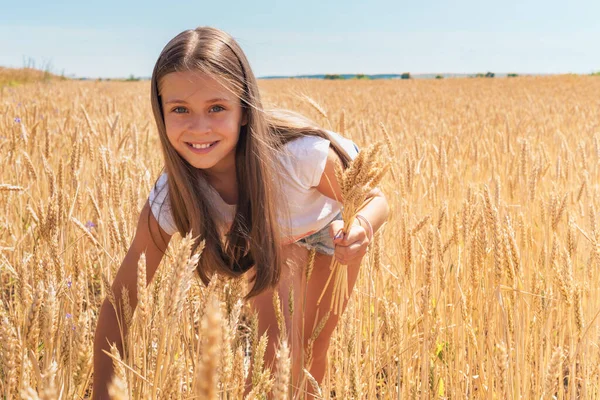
(215, 100)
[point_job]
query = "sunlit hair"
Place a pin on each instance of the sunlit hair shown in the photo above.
(254, 238)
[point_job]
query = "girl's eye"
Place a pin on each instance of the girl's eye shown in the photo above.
(216, 108)
(179, 110)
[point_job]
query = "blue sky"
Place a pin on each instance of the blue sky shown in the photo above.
(119, 38)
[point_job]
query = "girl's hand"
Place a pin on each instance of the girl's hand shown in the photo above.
(351, 247)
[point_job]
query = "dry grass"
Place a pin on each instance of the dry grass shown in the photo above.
(484, 283)
(18, 76)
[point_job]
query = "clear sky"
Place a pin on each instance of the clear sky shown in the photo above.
(112, 38)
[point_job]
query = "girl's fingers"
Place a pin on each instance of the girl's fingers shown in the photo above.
(356, 234)
(348, 260)
(335, 230)
(348, 253)
(350, 246)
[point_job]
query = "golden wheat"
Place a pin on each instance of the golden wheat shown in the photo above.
(482, 285)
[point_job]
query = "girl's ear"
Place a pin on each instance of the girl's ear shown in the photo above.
(244, 117)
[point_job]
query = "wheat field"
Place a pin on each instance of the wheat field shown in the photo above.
(484, 282)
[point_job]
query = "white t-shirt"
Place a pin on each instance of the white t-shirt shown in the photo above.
(303, 161)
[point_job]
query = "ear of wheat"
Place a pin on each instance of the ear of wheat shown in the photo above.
(363, 175)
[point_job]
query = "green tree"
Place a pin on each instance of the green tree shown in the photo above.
(439, 77)
(333, 76)
(405, 75)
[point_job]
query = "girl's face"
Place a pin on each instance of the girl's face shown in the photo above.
(203, 120)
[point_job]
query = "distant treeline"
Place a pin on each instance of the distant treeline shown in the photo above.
(16, 76)
(405, 75)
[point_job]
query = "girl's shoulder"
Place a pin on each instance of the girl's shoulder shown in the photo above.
(305, 157)
(309, 144)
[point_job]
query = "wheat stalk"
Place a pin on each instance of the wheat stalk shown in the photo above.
(363, 174)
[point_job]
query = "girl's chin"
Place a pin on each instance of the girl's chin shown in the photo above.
(198, 165)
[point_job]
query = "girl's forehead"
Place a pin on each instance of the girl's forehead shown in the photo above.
(197, 84)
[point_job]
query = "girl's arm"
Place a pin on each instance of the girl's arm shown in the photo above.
(354, 244)
(107, 329)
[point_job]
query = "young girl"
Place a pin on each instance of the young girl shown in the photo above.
(258, 186)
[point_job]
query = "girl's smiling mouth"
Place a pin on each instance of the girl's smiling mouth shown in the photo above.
(201, 148)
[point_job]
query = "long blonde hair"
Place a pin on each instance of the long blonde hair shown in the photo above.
(254, 238)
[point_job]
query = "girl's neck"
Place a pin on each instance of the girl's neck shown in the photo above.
(223, 177)
(225, 183)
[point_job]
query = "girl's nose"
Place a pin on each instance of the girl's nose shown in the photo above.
(199, 125)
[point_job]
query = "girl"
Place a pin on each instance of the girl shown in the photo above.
(258, 186)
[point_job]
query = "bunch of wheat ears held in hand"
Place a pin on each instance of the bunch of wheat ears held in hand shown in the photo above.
(363, 175)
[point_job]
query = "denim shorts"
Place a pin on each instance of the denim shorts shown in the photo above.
(321, 241)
